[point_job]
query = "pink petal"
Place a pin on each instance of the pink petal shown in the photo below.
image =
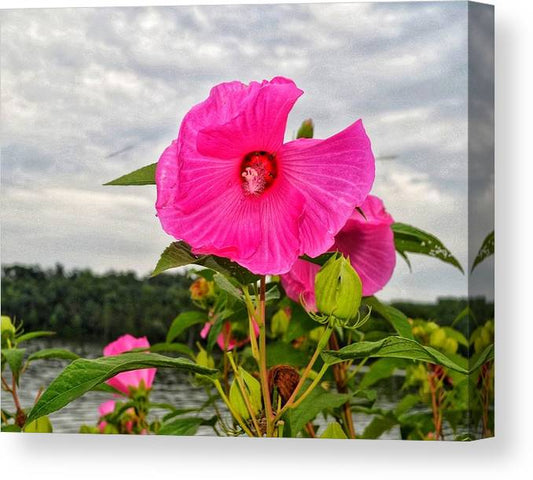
(300, 282)
(106, 407)
(205, 330)
(124, 380)
(259, 127)
(335, 175)
(370, 245)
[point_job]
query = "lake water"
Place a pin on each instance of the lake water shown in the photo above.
(169, 387)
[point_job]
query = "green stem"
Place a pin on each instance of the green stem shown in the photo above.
(311, 387)
(244, 393)
(263, 374)
(321, 344)
(231, 409)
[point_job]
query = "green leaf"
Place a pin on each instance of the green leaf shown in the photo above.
(320, 260)
(142, 176)
(179, 254)
(333, 430)
(379, 425)
(48, 353)
(396, 318)
(31, 335)
(224, 284)
(411, 239)
(300, 324)
(381, 369)
(41, 425)
(317, 401)
(83, 375)
(184, 321)
(485, 356)
(172, 347)
(486, 250)
(15, 359)
(391, 347)
(406, 403)
(181, 426)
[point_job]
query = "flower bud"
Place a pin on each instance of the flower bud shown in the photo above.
(338, 289)
(8, 330)
(201, 289)
(306, 129)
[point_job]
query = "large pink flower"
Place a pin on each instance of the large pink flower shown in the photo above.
(368, 242)
(229, 186)
(124, 380)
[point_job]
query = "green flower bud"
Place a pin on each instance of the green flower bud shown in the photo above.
(8, 330)
(253, 389)
(306, 130)
(338, 289)
(450, 345)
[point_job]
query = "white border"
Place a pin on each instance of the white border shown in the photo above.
(509, 455)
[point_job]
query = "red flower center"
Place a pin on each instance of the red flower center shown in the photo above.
(258, 172)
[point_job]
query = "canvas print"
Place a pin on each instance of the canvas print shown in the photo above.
(249, 220)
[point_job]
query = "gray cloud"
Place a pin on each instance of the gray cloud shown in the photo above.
(90, 94)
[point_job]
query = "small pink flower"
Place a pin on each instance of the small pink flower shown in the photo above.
(225, 340)
(104, 409)
(369, 243)
(124, 380)
(229, 186)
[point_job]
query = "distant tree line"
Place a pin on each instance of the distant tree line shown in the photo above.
(83, 305)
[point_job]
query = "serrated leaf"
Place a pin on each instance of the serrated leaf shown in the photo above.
(486, 250)
(391, 347)
(394, 316)
(142, 176)
(83, 375)
(184, 321)
(53, 353)
(413, 240)
(179, 254)
(224, 284)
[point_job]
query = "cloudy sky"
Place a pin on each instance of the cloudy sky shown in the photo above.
(90, 94)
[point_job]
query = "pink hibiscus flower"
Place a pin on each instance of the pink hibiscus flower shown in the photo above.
(369, 243)
(225, 340)
(104, 409)
(132, 379)
(229, 186)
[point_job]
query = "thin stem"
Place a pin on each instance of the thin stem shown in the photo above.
(251, 320)
(244, 393)
(231, 409)
(321, 344)
(311, 387)
(262, 358)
